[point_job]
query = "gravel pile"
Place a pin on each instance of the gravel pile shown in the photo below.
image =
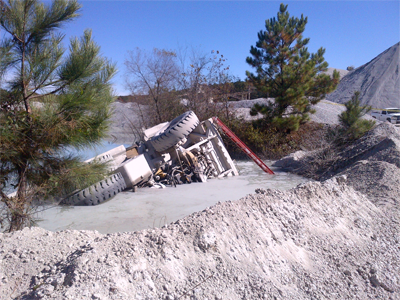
(377, 179)
(378, 81)
(371, 165)
(380, 144)
(326, 112)
(125, 122)
(342, 73)
(249, 103)
(317, 241)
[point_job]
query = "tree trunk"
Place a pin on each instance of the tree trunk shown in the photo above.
(19, 205)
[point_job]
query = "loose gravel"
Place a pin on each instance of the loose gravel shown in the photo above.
(317, 241)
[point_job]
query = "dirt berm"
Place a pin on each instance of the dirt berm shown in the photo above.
(320, 240)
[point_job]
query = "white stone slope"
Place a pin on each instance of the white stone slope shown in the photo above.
(326, 112)
(317, 241)
(125, 123)
(371, 165)
(378, 81)
(342, 72)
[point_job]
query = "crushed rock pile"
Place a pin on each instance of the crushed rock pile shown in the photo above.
(381, 144)
(317, 241)
(342, 72)
(378, 81)
(125, 122)
(371, 164)
(326, 112)
(377, 179)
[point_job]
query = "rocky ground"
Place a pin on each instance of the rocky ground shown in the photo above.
(371, 164)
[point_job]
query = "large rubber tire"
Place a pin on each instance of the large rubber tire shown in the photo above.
(179, 128)
(98, 193)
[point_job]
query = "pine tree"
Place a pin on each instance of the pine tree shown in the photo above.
(51, 101)
(352, 126)
(287, 71)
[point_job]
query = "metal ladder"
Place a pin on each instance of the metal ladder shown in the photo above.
(242, 146)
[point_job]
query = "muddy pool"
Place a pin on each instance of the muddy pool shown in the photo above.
(149, 208)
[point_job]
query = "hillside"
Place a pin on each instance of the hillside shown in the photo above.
(342, 73)
(378, 81)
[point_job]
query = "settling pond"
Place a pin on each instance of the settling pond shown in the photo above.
(149, 208)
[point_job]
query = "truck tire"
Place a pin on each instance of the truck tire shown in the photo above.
(179, 128)
(97, 193)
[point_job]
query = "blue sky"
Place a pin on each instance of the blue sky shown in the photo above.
(352, 32)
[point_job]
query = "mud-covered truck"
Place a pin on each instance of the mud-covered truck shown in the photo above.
(390, 114)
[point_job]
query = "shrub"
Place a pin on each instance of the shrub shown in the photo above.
(351, 126)
(269, 142)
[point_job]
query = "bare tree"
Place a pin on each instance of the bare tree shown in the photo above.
(154, 75)
(205, 82)
(172, 82)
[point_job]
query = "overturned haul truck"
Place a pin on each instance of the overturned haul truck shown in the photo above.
(184, 150)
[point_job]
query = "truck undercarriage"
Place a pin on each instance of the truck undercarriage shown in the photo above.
(182, 151)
